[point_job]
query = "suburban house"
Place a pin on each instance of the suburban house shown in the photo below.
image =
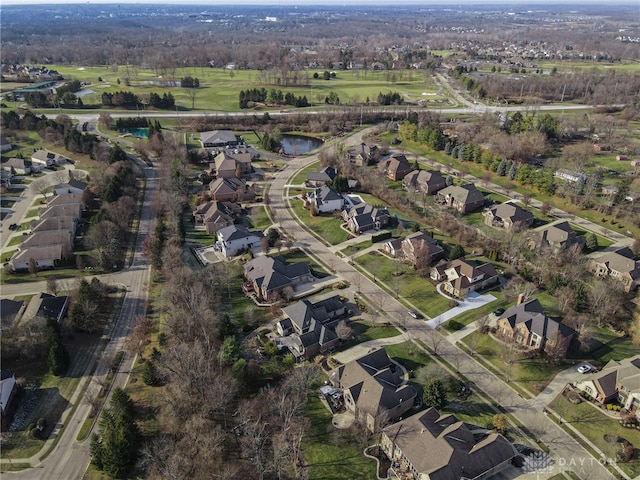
(73, 210)
(269, 276)
(47, 159)
(508, 216)
(18, 166)
(618, 381)
(72, 186)
(556, 236)
(418, 244)
(396, 167)
(218, 139)
(425, 181)
(619, 264)
(463, 198)
(569, 176)
(310, 327)
(227, 164)
(10, 311)
(393, 247)
(361, 157)
(8, 388)
(526, 324)
(236, 239)
(66, 199)
(322, 176)
(47, 306)
(364, 217)
(232, 189)
(213, 216)
(374, 388)
(460, 276)
(326, 199)
(48, 238)
(434, 446)
(44, 257)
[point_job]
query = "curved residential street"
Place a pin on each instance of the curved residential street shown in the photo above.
(565, 451)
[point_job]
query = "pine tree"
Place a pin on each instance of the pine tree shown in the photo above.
(435, 394)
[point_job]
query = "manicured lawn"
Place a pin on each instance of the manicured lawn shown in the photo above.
(533, 374)
(300, 177)
(258, 218)
(355, 248)
(608, 345)
(470, 316)
(17, 240)
(408, 355)
(296, 255)
(365, 332)
(326, 226)
(419, 291)
(594, 425)
(331, 453)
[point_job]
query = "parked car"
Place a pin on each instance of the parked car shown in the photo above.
(415, 315)
(585, 368)
(14, 226)
(498, 311)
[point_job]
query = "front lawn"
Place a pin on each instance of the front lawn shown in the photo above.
(532, 374)
(403, 280)
(301, 177)
(325, 226)
(331, 453)
(364, 332)
(258, 218)
(593, 424)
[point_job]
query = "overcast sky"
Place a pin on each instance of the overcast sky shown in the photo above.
(323, 2)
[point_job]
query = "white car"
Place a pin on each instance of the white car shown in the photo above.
(585, 368)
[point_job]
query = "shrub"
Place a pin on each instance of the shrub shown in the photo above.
(454, 325)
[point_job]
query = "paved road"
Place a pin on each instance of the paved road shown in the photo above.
(69, 459)
(564, 449)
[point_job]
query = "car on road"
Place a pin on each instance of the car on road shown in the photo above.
(414, 314)
(14, 226)
(585, 368)
(498, 311)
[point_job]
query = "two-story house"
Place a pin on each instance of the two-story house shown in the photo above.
(373, 385)
(508, 216)
(364, 217)
(526, 324)
(421, 243)
(228, 164)
(269, 276)
(218, 139)
(325, 199)
(463, 198)
(424, 181)
(460, 276)
(323, 176)
(235, 239)
(620, 265)
(395, 167)
(556, 237)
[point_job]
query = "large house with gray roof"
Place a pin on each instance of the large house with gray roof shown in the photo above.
(236, 239)
(325, 199)
(618, 381)
(424, 181)
(508, 216)
(364, 217)
(463, 198)
(218, 139)
(269, 276)
(527, 325)
(556, 237)
(434, 446)
(374, 388)
(310, 327)
(620, 265)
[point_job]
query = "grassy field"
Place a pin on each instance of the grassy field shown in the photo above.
(594, 425)
(219, 88)
(258, 218)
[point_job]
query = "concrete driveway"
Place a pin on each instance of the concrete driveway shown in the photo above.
(362, 349)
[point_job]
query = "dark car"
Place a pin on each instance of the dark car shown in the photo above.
(498, 311)
(14, 226)
(414, 314)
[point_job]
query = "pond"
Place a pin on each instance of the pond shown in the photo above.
(136, 132)
(299, 144)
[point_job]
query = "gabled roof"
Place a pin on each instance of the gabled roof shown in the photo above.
(464, 194)
(270, 273)
(17, 163)
(65, 199)
(9, 309)
(397, 162)
(46, 238)
(531, 315)
(373, 382)
(71, 185)
(326, 194)
(66, 223)
(425, 177)
(39, 254)
(512, 212)
(621, 260)
(560, 234)
(218, 137)
(236, 232)
(625, 372)
(326, 174)
(46, 306)
(222, 186)
(443, 448)
(302, 313)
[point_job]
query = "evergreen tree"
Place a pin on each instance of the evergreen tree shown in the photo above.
(513, 171)
(591, 241)
(435, 394)
(58, 358)
(456, 252)
(502, 168)
(150, 373)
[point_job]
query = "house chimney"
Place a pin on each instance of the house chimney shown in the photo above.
(521, 298)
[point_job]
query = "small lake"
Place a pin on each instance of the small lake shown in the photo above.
(299, 144)
(136, 132)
